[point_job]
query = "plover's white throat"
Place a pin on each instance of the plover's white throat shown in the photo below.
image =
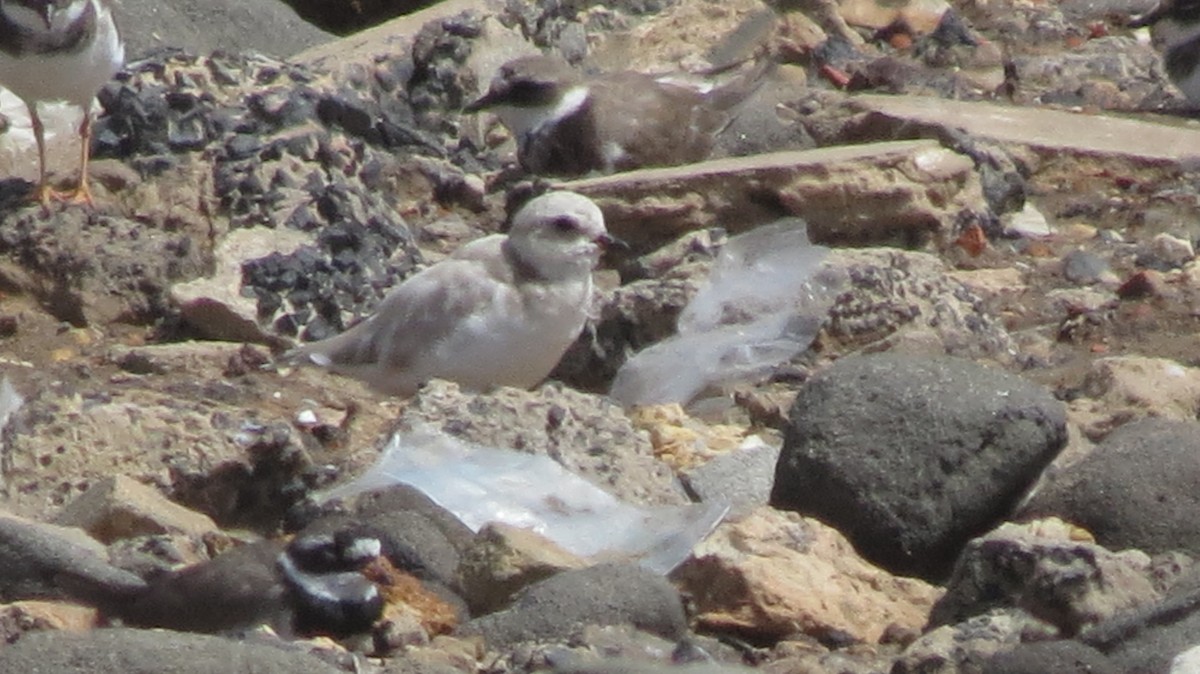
(500, 311)
(58, 50)
(1175, 28)
(569, 125)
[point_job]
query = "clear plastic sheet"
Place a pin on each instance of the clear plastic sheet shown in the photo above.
(764, 301)
(483, 484)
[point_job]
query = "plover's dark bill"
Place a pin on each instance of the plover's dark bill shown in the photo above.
(58, 50)
(500, 311)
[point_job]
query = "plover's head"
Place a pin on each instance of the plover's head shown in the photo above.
(530, 91)
(329, 594)
(560, 235)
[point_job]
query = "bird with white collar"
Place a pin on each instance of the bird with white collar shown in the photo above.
(59, 50)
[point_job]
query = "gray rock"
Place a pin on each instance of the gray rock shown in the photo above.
(617, 666)
(1061, 657)
(39, 561)
(129, 651)
(1070, 584)
(897, 296)
(911, 457)
(411, 540)
(1136, 489)
(589, 435)
(633, 317)
(404, 498)
(434, 556)
(1147, 640)
(742, 478)
(1084, 267)
(201, 26)
(964, 647)
(1056, 132)
(609, 594)
(1109, 72)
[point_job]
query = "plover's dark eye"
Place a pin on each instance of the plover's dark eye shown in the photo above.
(564, 224)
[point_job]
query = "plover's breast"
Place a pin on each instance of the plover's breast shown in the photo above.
(72, 73)
(516, 341)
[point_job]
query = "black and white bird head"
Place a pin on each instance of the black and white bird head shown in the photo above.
(329, 593)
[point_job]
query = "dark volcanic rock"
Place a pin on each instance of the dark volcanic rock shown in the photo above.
(129, 651)
(273, 165)
(912, 457)
(609, 594)
(404, 498)
(1136, 489)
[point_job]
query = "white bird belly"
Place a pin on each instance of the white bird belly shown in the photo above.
(511, 344)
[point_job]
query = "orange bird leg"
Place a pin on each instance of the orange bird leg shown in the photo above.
(82, 194)
(42, 192)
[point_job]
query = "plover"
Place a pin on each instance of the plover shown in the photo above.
(58, 50)
(312, 585)
(1175, 30)
(500, 311)
(569, 125)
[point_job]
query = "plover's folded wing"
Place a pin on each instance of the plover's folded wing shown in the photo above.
(401, 346)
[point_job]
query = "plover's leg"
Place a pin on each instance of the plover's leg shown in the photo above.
(82, 194)
(42, 192)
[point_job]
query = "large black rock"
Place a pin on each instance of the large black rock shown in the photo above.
(912, 457)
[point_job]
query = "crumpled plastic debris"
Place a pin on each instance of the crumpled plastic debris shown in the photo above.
(10, 402)
(483, 484)
(764, 302)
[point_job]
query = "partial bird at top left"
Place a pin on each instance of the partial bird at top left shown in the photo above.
(59, 50)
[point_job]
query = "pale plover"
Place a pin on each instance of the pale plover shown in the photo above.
(500, 311)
